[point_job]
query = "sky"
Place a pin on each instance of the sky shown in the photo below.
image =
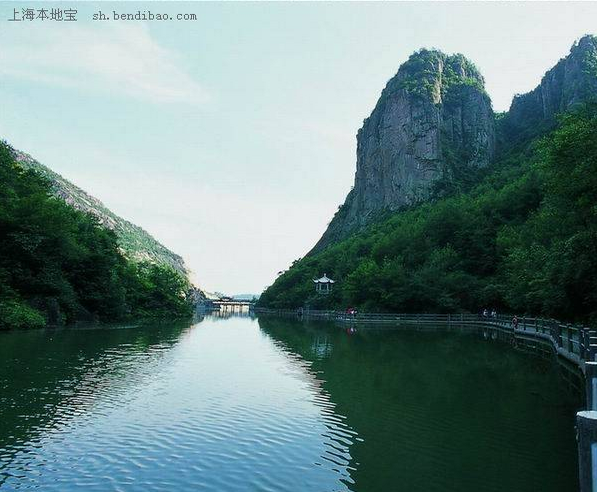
(231, 138)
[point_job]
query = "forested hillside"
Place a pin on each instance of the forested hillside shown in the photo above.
(516, 231)
(59, 265)
(524, 240)
(134, 242)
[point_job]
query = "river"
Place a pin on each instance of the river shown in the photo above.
(243, 404)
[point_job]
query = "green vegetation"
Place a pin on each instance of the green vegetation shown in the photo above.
(428, 71)
(523, 240)
(135, 243)
(58, 265)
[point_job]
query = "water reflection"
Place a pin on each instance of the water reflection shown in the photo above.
(335, 433)
(225, 312)
(49, 378)
(440, 411)
(216, 406)
(238, 404)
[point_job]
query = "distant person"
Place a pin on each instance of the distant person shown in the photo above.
(494, 313)
(515, 322)
(485, 313)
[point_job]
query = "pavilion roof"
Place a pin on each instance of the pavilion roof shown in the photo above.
(324, 280)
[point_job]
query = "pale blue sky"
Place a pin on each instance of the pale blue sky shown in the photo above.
(232, 139)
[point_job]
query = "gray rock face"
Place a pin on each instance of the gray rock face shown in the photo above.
(433, 121)
(572, 81)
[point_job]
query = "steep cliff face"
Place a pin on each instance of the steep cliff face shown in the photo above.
(436, 122)
(433, 121)
(572, 81)
(134, 242)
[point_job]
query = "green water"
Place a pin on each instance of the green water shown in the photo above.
(256, 405)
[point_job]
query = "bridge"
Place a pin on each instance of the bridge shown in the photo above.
(575, 346)
(230, 304)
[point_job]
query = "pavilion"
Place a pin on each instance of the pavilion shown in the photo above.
(324, 284)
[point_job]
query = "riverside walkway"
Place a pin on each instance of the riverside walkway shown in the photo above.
(576, 345)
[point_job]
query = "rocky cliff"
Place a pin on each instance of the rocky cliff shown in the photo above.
(433, 122)
(433, 125)
(572, 81)
(135, 243)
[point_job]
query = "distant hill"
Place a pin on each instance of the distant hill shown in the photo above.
(245, 297)
(135, 243)
(237, 297)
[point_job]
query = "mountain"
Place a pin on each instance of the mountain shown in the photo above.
(571, 82)
(432, 123)
(134, 242)
(510, 222)
(433, 128)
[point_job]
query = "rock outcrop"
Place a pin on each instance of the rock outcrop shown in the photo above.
(433, 121)
(572, 81)
(434, 124)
